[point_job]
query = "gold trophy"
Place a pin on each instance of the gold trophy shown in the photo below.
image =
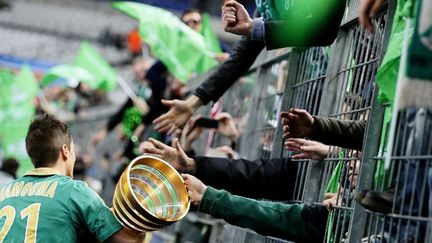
(150, 195)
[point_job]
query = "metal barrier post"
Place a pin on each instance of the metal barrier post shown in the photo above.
(288, 95)
(367, 168)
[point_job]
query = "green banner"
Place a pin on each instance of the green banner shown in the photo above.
(73, 74)
(388, 71)
(6, 80)
(16, 111)
(212, 43)
(27, 81)
(88, 58)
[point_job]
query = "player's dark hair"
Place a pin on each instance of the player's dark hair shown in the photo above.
(45, 137)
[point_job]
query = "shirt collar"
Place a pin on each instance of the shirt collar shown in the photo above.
(43, 171)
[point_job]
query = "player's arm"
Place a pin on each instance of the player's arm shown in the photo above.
(90, 211)
(126, 236)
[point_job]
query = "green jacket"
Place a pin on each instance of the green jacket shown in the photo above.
(294, 222)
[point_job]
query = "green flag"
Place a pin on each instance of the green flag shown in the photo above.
(16, 97)
(212, 43)
(210, 38)
(388, 71)
(16, 111)
(179, 47)
(13, 143)
(27, 81)
(71, 73)
(6, 80)
(89, 59)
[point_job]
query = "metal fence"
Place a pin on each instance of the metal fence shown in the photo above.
(307, 84)
(339, 82)
(406, 181)
(354, 79)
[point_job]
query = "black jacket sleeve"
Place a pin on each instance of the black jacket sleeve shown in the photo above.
(242, 58)
(342, 133)
(271, 179)
(117, 118)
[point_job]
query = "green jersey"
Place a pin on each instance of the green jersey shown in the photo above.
(44, 206)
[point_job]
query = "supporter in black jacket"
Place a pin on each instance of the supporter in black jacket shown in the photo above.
(271, 179)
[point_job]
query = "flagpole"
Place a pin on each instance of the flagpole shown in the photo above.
(126, 88)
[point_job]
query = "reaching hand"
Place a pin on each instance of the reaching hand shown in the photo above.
(297, 123)
(368, 9)
(222, 57)
(330, 200)
(236, 19)
(141, 105)
(175, 156)
(179, 113)
(190, 133)
(231, 154)
(227, 126)
(307, 149)
(147, 147)
(99, 136)
(195, 188)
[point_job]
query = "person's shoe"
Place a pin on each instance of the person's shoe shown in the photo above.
(381, 202)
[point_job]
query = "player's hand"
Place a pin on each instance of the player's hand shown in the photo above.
(307, 149)
(195, 188)
(367, 10)
(297, 123)
(236, 19)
